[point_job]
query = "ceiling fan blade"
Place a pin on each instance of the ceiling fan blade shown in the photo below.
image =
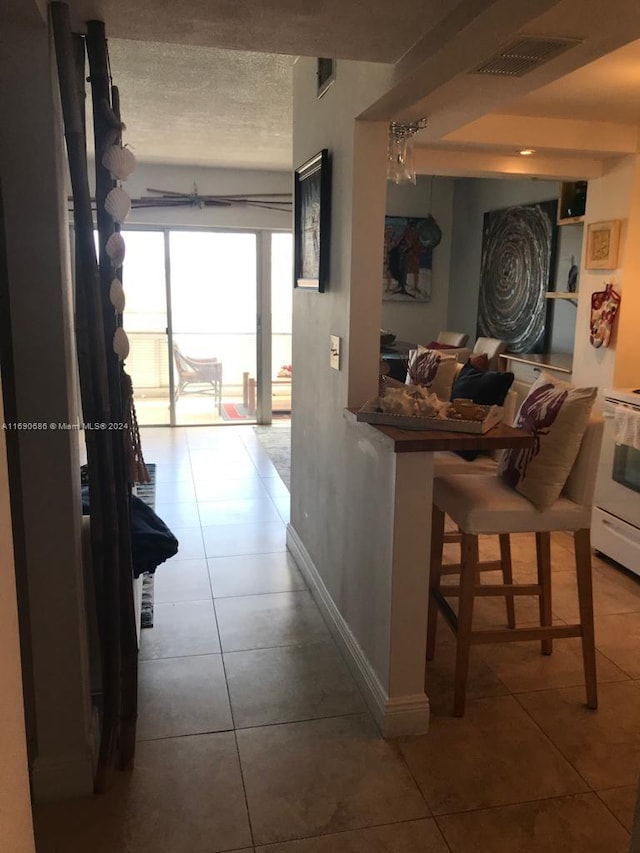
(169, 192)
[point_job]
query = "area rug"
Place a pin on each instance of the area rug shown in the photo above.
(276, 440)
(147, 493)
(233, 412)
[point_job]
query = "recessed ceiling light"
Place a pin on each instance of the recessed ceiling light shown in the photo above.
(527, 152)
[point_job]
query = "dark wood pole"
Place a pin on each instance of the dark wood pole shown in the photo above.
(95, 393)
(106, 120)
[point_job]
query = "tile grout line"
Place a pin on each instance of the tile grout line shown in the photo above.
(610, 810)
(304, 838)
(231, 711)
(517, 803)
(548, 737)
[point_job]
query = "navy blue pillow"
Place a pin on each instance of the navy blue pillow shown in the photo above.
(485, 387)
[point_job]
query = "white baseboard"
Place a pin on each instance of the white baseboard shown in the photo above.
(400, 715)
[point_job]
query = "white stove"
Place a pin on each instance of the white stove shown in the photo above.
(626, 396)
(615, 527)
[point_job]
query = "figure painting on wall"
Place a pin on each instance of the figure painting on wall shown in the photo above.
(408, 252)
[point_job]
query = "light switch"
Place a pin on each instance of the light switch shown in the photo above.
(334, 352)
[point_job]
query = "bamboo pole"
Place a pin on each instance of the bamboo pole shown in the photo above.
(129, 713)
(105, 119)
(93, 375)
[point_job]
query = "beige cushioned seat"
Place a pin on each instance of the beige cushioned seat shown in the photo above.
(452, 339)
(486, 504)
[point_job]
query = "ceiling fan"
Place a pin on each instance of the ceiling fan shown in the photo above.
(170, 198)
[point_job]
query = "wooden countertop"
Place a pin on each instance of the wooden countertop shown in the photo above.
(560, 361)
(415, 441)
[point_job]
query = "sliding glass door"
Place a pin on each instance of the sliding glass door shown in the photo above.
(213, 321)
(195, 302)
(146, 325)
(281, 309)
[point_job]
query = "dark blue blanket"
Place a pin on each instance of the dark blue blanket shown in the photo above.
(151, 540)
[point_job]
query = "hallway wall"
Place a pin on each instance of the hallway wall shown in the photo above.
(15, 801)
(41, 309)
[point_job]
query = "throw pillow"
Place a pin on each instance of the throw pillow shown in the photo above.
(432, 370)
(486, 387)
(438, 345)
(557, 414)
(479, 360)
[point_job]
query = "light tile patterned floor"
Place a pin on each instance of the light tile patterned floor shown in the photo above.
(253, 736)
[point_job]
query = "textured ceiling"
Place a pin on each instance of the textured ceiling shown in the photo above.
(204, 106)
(192, 93)
(374, 30)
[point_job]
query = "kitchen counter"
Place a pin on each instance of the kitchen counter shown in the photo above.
(560, 361)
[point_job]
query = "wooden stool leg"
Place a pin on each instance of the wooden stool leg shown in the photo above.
(543, 553)
(437, 538)
(468, 571)
(582, 546)
(507, 576)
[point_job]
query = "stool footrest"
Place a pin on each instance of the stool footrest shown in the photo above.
(553, 632)
(495, 589)
(484, 566)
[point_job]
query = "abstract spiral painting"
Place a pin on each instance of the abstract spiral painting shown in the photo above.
(518, 260)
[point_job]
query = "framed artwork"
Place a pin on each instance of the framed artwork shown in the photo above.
(311, 218)
(603, 239)
(516, 271)
(408, 252)
(326, 74)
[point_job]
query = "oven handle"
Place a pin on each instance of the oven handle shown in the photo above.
(618, 530)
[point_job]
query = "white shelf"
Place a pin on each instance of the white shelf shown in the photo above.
(560, 294)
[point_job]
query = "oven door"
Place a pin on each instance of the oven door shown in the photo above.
(618, 484)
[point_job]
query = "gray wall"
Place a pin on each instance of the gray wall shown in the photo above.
(421, 322)
(472, 198)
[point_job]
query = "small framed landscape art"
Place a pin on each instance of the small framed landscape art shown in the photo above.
(311, 218)
(602, 245)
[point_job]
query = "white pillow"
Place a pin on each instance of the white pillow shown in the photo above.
(433, 370)
(557, 413)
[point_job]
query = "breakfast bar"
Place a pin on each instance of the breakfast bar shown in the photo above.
(405, 491)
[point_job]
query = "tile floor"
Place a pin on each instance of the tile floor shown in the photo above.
(253, 737)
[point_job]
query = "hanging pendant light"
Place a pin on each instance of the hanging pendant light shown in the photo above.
(400, 166)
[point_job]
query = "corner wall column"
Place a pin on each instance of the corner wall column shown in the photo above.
(40, 301)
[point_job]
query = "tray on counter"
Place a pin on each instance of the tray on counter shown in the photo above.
(370, 414)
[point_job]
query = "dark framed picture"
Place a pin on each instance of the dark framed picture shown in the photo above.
(326, 74)
(312, 206)
(518, 263)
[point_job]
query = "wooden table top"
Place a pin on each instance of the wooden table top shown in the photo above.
(414, 441)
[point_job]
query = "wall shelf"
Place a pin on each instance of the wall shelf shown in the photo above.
(560, 294)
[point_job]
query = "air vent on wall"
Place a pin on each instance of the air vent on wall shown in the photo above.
(524, 55)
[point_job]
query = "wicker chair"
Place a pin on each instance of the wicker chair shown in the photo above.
(205, 372)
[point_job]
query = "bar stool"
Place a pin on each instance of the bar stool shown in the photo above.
(484, 504)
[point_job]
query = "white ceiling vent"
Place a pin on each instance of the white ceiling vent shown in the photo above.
(524, 56)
